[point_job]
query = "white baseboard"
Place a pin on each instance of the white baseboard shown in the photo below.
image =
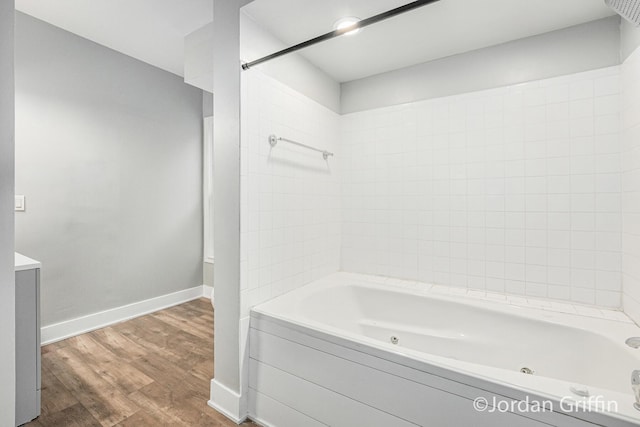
(208, 292)
(227, 402)
(81, 325)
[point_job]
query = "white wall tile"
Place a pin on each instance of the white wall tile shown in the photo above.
(630, 177)
(291, 196)
(516, 190)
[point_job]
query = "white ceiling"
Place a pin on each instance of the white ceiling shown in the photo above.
(153, 30)
(434, 31)
(150, 30)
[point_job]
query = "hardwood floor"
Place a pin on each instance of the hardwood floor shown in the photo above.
(150, 371)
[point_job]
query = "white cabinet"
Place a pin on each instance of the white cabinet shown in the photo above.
(28, 365)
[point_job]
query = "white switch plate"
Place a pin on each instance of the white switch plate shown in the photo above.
(20, 207)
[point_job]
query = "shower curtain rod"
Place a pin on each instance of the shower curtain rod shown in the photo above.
(337, 33)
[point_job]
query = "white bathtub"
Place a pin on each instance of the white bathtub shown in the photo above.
(323, 355)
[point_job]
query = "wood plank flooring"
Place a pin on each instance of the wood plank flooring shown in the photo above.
(150, 371)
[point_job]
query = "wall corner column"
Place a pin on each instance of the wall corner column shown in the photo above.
(226, 389)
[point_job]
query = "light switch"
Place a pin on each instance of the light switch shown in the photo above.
(20, 206)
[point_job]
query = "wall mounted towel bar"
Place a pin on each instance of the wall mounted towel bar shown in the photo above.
(273, 141)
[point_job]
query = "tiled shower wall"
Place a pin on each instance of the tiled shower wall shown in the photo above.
(631, 184)
(290, 196)
(514, 190)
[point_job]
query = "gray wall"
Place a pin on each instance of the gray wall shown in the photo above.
(207, 274)
(7, 276)
(629, 39)
(570, 50)
(108, 154)
(207, 111)
(207, 104)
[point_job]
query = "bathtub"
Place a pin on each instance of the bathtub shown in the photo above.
(351, 350)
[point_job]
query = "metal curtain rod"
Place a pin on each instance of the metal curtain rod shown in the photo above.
(273, 141)
(337, 33)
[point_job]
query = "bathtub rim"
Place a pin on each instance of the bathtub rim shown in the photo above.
(445, 368)
(265, 325)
